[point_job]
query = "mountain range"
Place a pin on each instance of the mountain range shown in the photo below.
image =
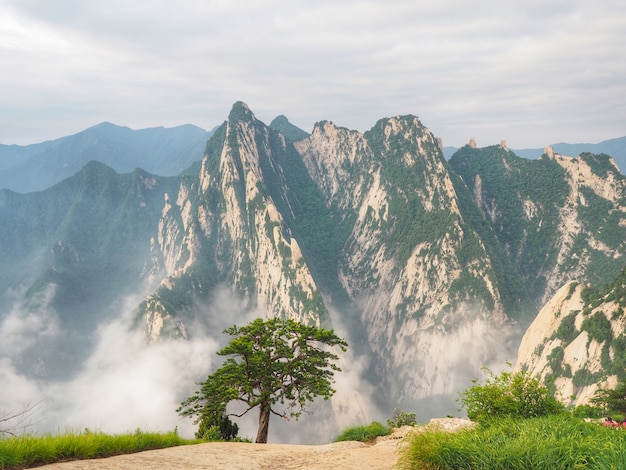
(162, 151)
(431, 267)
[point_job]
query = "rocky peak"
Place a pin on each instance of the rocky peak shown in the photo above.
(338, 160)
(394, 182)
(287, 129)
(234, 223)
(240, 112)
(608, 184)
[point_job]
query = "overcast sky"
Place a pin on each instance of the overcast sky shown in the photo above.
(533, 72)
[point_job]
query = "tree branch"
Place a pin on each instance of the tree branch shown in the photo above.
(14, 422)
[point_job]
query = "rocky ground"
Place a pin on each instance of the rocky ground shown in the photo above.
(382, 455)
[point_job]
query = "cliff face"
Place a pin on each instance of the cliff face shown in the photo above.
(370, 226)
(578, 341)
(430, 266)
(558, 218)
(584, 238)
(225, 227)
(419, 273)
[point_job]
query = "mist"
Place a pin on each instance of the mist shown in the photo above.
(445, 361)
(123, 383)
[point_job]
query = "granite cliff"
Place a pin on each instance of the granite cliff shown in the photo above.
(376, 233)
(577, 343)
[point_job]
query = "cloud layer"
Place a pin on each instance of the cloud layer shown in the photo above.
(122, 383)
(530, 72)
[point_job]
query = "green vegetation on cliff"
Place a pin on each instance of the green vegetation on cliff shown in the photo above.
(522, 200)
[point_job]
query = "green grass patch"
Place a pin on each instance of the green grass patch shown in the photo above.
(31, 450)
(363, 433)
(551, 443)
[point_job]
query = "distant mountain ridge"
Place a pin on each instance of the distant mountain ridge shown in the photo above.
(159, 150)
(171, 151)
(615, 148)
(72, 251)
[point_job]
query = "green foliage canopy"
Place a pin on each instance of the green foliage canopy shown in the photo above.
(509, 394)
(278, 365)
(612, 400)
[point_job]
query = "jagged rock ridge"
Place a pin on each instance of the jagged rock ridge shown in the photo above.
(370, 224)
(558, 218)
(409, 252)
(226, 227)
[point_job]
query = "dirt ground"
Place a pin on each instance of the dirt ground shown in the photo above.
(226, 455)
(381, 455)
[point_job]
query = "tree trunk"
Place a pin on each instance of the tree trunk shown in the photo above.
(264, 423)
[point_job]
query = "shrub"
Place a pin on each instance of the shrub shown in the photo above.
(567, 331)
(588, 411)
(401, 418)
(598, 327)
(363, 433)
(217, 428)
(516, 395)
(611, 400)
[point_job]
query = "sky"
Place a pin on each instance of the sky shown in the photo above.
(531, 72)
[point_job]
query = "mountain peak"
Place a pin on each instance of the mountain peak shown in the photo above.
(291, 132)
(240, 112)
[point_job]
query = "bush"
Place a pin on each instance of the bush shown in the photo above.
(598, 327)
(401, 418)
(611, 400)
(363, 433)
(217, 428)
(516, 395)
(588, 411)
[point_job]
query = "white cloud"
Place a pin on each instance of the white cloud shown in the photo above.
(23, 328)
(126, 384)
(121, 385)
(487, 69)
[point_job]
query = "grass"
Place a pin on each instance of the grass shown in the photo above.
(551, 443)
(363, 433)
(31, 450)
